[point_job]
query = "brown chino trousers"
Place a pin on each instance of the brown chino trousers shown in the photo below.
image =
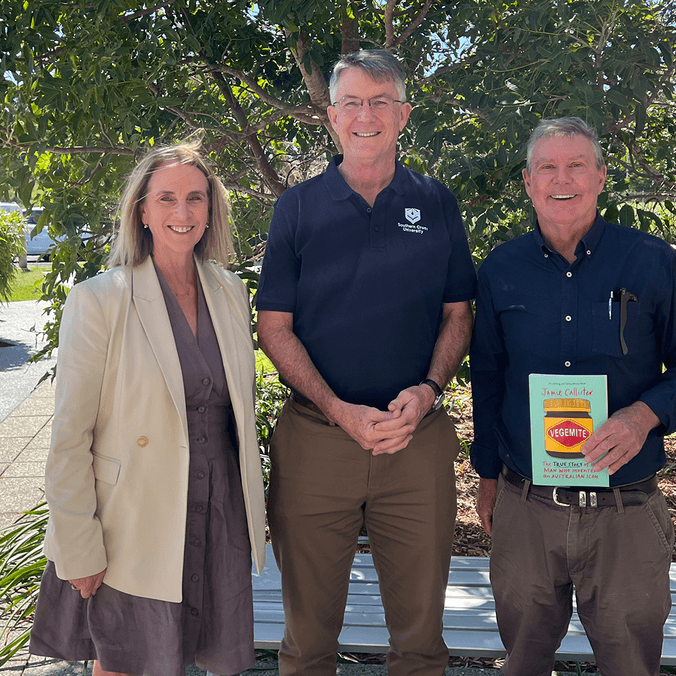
(323, 486)
(616, 560)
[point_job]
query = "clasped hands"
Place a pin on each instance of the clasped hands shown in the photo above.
(386, 432)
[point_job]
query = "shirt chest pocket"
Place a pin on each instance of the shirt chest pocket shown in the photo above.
(614, 335)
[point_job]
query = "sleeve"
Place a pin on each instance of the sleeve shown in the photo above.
(281, 265)
(74, 536)
(661, 398)
(487, 361)
(461, 281)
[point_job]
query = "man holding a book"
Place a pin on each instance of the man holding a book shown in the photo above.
(575, 321)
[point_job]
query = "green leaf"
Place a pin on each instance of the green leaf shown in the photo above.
(641, 117)
(617, 97)
(626, 215)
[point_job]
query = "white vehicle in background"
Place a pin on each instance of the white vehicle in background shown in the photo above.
(41, 244)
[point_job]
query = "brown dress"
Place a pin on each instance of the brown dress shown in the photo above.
(213, 626)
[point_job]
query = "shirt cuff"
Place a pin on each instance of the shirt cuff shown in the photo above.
(486, 461)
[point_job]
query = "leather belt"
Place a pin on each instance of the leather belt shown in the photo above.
(631, 494)
(304, 401)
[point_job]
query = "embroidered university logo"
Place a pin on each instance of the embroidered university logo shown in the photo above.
(412, 215)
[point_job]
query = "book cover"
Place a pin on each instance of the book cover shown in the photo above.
(564, 412)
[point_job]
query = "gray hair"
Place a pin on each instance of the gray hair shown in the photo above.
(133, 243)
(379, 64)
(564, 126)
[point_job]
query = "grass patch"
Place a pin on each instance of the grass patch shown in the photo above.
(26, 285)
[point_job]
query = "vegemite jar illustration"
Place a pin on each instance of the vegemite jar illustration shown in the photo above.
(568, 425)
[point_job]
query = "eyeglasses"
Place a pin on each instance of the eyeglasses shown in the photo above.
(352, 104)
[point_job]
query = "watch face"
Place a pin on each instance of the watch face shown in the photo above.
(438, 402)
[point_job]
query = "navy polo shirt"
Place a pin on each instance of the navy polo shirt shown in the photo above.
(366, 285)
(536, 313)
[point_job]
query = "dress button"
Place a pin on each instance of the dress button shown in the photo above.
(195, 578)
(196, 543)
(206, 381)
(566, 363)
(199, 508)
(588, 252)
(194, 611)
(376, 228)
(569, 318)
(202, 440)
(200, 475)
(569, 274)
(201, 409)
(369, 210)
(546, 255)
(142, 441)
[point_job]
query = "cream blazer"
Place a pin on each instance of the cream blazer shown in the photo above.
(117, 471)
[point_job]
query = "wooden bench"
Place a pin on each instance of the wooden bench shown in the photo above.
(470, 628)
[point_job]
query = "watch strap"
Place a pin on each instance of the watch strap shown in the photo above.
(438, 393)
(437, 390)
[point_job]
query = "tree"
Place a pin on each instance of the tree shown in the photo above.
(88, 85)
(611, 63)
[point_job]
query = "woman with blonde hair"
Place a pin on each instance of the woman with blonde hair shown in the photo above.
(153, 477)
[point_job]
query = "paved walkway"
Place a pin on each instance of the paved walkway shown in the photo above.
(21, 336)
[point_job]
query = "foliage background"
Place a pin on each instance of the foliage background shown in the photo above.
(87, 87)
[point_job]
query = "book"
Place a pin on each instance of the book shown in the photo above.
(564, 412)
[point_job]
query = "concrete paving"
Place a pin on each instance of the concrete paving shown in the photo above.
(21, 336)
(25, 426)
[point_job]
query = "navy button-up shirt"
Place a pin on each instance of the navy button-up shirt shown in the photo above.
(537, 313)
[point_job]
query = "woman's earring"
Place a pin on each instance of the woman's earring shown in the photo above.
(207, 225)
(145, 225)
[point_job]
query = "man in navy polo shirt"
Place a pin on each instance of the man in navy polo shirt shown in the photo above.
(364, 307)
(578, 296)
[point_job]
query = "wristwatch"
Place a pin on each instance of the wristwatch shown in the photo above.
(438, 393)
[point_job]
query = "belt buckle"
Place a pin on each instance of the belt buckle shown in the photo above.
(555, 497)
(581, 498)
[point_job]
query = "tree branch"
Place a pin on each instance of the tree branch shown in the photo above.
(306, 115)
(413, 25)
(349, 29)
(316, 86)
(389, 24)
(150, 10)
(238, 187)
(74, 150)
(268, 174)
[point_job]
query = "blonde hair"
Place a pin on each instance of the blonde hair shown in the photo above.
(133, 243)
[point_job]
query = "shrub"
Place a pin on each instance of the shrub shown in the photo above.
(12, 245)
(270, 397)
(21, 565)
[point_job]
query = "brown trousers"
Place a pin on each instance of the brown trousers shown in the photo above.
(323, 486)
(616, 559)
